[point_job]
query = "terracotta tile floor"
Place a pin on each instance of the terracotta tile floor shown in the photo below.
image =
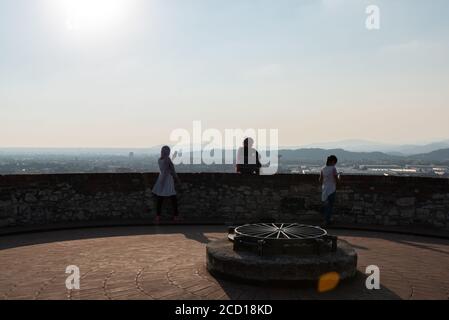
(168, 262)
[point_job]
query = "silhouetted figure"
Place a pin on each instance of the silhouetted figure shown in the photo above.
(165, 184)
(248, 161)
(328, 180)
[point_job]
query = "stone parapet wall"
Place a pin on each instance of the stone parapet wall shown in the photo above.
(27, 200)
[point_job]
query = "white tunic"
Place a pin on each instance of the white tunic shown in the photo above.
(165, 184)
(329, 182)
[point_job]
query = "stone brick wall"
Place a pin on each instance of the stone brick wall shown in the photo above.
(27, 200)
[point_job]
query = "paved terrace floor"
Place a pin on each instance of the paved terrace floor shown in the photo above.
(168, 262)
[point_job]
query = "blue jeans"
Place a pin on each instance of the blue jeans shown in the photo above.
(328, 207)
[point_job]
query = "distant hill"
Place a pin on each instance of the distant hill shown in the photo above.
(317, 154)
(355, 145)
(441, 155)
(420, 149)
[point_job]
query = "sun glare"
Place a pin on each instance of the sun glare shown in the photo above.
(94, 15)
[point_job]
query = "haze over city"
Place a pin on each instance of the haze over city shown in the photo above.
(224, 159)
(127, 73)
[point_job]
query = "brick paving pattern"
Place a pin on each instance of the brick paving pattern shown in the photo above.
(168, 262)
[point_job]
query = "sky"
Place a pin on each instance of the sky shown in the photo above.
(126, 73)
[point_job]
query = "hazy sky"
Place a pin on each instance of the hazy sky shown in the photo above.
(125, 73)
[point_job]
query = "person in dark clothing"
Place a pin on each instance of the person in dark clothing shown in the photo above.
(248, 161)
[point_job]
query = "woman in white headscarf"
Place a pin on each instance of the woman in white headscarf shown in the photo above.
(165, 184)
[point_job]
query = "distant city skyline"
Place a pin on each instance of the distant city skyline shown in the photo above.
(125, 73)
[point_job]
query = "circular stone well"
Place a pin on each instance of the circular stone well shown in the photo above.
(280, 253)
